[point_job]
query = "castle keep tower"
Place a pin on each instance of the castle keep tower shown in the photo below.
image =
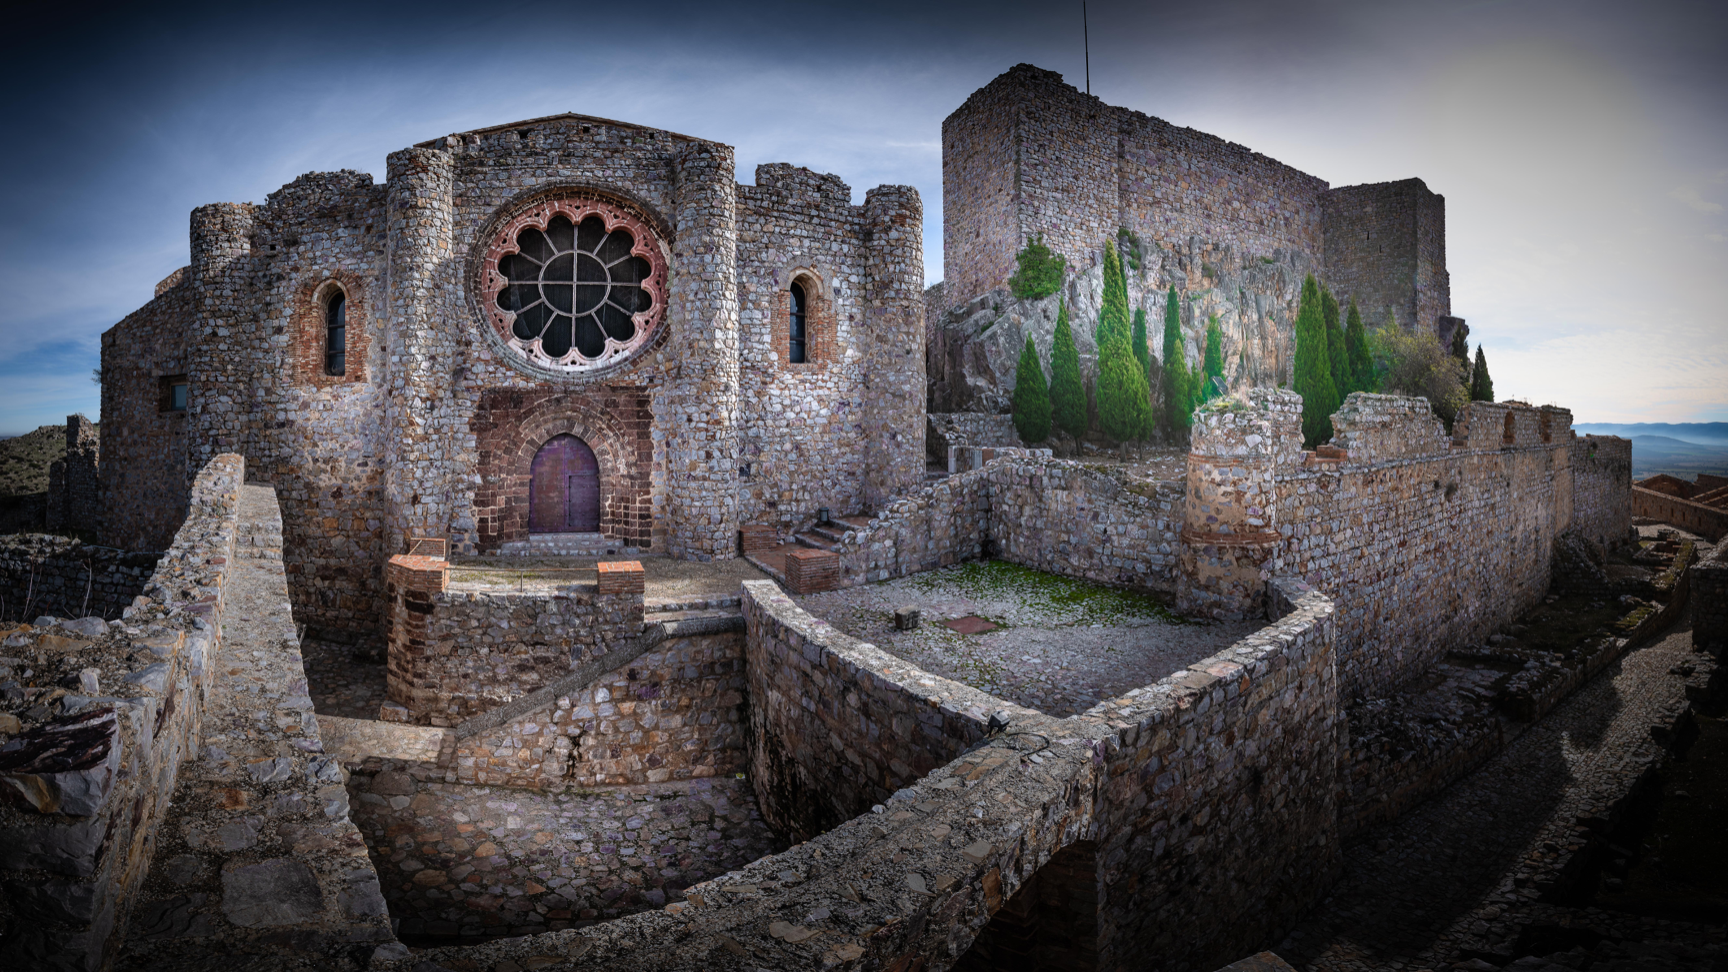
(557, 335)
(1028, 154)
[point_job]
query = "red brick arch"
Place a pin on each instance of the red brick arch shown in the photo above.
(511, 426)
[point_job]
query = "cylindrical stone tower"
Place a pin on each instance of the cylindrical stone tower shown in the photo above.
(419, 411)
(697, 409)
(893, 340)
(1230, 534)
(219, 358)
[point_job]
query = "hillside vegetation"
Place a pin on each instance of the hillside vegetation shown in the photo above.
(24, 460)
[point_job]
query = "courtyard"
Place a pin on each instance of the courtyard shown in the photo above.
(1055, 644)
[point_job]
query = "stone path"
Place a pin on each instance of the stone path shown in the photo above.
(474, 862)
(1062, 645)
(1457, 880)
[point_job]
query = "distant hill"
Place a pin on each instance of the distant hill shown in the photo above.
(1652, 454)
(1702, 433)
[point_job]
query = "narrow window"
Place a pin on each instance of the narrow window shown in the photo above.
(177, 396)
(795, 333)
(336, 335)
(172, 395)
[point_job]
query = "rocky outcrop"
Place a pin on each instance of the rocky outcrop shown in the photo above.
(972, 349)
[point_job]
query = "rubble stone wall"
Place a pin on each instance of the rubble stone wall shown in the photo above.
(1709, 522)
(145, 480)
(1709, 578)
(837, 724)
(74, 490)
(674, 713)
(1218, 818)
(1602, 487)
(479, 651)
(86, 777)
(1067, 519)
(1386, 248)
(56, 576)
(1423, 553)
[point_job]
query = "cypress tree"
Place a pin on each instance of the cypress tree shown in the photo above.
(1067, 394)
(1335, 353)
(1031, 397)
(1481, 386)
(1460, 346)
(1124, 405)
(1178, 405)
(1214, 367)
(1113, 312)
(1356, 350)
(1141, 351)
(1314, 368)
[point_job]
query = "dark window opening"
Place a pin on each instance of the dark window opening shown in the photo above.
(175, 394)
(795, 332)
(336, 335)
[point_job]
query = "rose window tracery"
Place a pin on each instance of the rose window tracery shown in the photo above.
(575, 284)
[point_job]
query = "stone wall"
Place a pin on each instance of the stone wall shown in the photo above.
(1709, 579)
(675, 712)
(147, 475)
(1426, 543)
(837, 724)
(1386, 247)
(50, 575)
(1709, 522)
(455, 654)
(74, 491)
(1218, 816)
(1602, 488)
(98, 718)
(1148, 804)
(944, 431)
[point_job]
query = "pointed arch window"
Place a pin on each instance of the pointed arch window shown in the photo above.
(796, 329)
(336, 334)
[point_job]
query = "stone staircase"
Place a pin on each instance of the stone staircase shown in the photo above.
(586, 545)
(819, 536)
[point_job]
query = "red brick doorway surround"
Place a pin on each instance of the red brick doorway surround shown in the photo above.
(510, 428)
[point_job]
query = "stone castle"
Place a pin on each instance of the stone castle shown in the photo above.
(572, 340)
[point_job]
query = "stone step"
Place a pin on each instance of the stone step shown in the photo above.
(665, 605)
(833, 533)
(813, 541)
(594, 545)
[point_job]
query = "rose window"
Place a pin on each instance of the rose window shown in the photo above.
(575, 284)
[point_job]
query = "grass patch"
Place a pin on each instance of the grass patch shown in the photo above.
(1077, 602)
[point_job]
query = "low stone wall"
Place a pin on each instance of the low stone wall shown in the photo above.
(945, 430)
(97, 717)
(1218, 820)
(675, 713)
(1069, 519)
(1706, 521)
(1709, 579)
(42, 574)
(1052, 514)
(838, 724)
(1155, 803)
(456, 654)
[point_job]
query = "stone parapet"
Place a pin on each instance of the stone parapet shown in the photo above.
(98, 717)
(42, 574)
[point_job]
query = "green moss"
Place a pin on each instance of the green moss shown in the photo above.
(1077, 602)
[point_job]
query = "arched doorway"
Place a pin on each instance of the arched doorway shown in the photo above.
(564, 488)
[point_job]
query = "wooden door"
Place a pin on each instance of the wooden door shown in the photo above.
(564, 488)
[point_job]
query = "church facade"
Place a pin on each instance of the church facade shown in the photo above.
(568, 328)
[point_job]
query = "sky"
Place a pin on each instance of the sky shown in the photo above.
(1582, 147)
